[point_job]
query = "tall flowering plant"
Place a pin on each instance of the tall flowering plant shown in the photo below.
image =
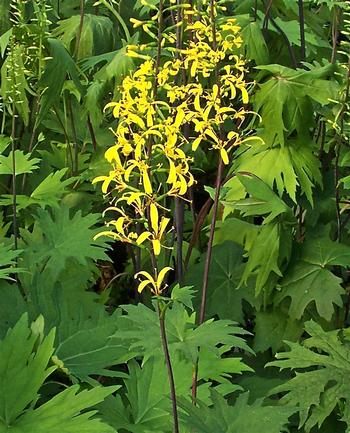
(166, 111)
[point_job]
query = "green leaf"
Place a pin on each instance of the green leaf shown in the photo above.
(263, 256)
(91, 348)
(310, 280)
(283, 100)
(51, 189)
(263, 200)
(242, 417)
(139, 328)
(7, 261)
(225, 274)
(272, 327)
(58, 238)
(183, 295)
(145, 405)
(23, 369)
(254, 44)
(67, 413)
(23, 163)
(95, 36)
(54, 77)
(284, 167)
(12, 306)
(323, 365)
(24, 359)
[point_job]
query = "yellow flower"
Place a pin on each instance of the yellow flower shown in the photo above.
(180, 178)
(156, 283)
(158, 229)
(114, 176)
(143, 168)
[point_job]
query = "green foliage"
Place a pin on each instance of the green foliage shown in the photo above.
(23, 163)
(309, 278)
(57, 238)
(319, 386)
(8, 260)
(240, 417)
(226, 272)
(25, 356)
(281, 251)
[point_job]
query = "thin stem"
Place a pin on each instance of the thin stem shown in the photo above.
(159, 45)
(267, 15)
(179, 204)
(302, 30)
(92, 133)
(66, 137)
(161, 313)
(214, 217)
(337, 152)
(210, 242)
(80, 30)
(255, 10)
(74, 132)
(14, 178)
(335, 34)
(119, 19)
(279, 29)
(179, 226)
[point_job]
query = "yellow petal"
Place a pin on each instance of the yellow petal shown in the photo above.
(163, 225)
(211, 134)
(145, 274)
(156, 246)
(119, 225)
(245, 96)
(142, 285)
(197, 103)
(146, 183)
(105, 184)
(154, 217)
(108, 234)
(110, 104)
(215, 91)
(196, 143)
(98, 179)
(179, 117)
(183, 185)
(143, 236)
(161, 276)
(224, 156)
(172, 173)
(194, 68)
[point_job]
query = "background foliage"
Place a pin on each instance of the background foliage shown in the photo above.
(78, 351)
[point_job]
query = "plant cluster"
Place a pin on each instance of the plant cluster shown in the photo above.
(174, 224)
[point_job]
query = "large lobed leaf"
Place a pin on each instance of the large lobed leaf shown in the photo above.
(24, 359)
(321, 383)
(242, 417)
(309, 279)
(58, 238)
